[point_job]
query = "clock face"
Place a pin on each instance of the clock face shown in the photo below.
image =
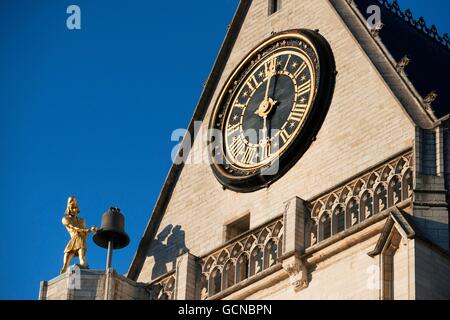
(270, 109)
(272, 104)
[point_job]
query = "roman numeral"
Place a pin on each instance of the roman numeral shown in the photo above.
(236, 147)
(249, 154)
(284, 135)
(271, 67)
(298, 112)
(233, 128)
(300, 70)
(287, 62)
(252, 83)
(265, 150)
(304, 88)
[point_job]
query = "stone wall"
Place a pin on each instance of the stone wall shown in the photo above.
(351, 274)
(421, 271)
(75, 284)
(432, 269)
(126, 289)
(403, 279)
(428, 152)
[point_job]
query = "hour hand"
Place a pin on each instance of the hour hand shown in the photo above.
(266, 107)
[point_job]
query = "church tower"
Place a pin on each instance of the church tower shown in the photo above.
(342, 194)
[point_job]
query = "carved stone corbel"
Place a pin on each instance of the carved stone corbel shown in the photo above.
(298, 273)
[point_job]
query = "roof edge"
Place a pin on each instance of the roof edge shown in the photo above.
(199, 113)
(395, 219)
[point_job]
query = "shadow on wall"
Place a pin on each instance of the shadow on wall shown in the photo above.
(168, 245)
(434, 231)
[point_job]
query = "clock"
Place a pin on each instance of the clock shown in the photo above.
(270, 109)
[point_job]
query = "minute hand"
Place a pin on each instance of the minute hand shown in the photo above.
(266, 99)
(271, 71)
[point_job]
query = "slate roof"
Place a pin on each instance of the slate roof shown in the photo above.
(429, 52)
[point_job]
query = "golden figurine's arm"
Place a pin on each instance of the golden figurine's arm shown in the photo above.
(67, 224)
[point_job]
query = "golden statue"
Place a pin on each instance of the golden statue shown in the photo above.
(78, 233)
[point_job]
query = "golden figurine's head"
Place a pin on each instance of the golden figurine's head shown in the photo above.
(72, 206)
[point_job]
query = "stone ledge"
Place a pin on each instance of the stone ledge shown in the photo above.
(91, 286)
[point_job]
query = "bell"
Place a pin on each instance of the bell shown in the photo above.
(112, 232)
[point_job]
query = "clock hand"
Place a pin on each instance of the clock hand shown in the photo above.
(270, 72)
(265, 131)
(267, 103)
(266, 95)
(265, 141)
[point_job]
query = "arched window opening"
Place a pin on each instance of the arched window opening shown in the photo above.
(324, 227)
(380, 199)
(215, 282)
(366, 206)
(338, 220)
(394, 192)
(242, 268)
(352, 213)
(407, 185)
(256, 261)
(270, 254)
(228, 275)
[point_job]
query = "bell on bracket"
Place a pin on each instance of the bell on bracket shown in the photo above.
(112, 233)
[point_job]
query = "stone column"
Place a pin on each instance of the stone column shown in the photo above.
(294, 242)
(185, 277)
(43, 290)
(294, 225)
(430, 207)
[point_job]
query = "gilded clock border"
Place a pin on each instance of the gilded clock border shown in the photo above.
(313, 45)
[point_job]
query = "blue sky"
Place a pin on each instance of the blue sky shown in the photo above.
(90, 112)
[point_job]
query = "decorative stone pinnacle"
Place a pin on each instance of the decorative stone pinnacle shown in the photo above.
(402, 64)
(430, 98)
(376, 30)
